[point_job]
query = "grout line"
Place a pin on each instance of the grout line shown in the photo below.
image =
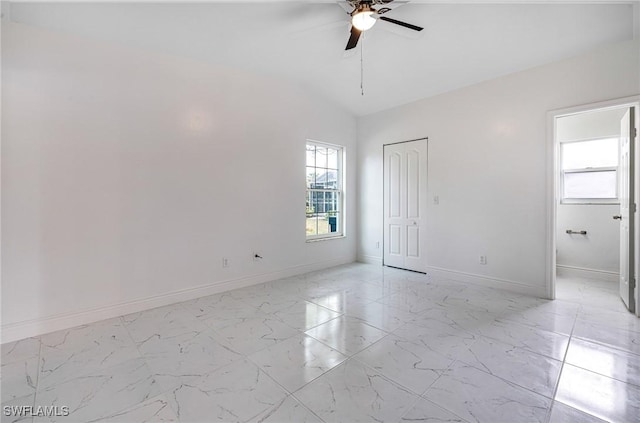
(564, 360)
(37, 390)
(161, 391)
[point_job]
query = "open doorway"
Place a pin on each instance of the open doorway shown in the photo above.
(593, 217)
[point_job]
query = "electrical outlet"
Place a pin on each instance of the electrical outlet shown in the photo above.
(377, 245)
(483, 259)
(225, 262)
(436, 200)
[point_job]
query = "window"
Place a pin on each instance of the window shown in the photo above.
(324, 191)
(590, 171)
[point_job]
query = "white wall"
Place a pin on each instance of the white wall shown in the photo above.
(600, 249)
(487, 163)
(128, 176)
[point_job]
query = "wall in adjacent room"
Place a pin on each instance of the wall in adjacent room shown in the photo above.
(127, 177)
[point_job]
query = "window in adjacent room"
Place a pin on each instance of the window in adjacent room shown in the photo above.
(590, 171)
(325, 196)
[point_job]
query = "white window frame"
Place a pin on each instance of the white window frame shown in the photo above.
(340, 192)
(564, 200)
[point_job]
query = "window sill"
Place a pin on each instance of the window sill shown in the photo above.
(327, 238)
(590, 202)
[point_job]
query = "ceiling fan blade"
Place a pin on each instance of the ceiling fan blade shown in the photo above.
(346, 6)
(397, 22)
(319, 29)
(389, 6)
(353, 39)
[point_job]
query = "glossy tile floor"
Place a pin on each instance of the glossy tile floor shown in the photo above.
(356, 343)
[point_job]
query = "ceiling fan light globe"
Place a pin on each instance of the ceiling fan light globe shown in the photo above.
(363, 20)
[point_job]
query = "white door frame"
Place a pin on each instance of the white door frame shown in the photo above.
(426, 140)
(553, 179)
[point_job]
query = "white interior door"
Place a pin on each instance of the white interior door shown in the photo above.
(627, 209)
(405, 190)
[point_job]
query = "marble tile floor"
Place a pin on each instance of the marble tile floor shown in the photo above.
(595, 292)
(355, 343)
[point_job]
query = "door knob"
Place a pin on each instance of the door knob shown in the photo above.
(619, 217)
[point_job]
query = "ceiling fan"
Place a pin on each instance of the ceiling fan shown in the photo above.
(364, 15)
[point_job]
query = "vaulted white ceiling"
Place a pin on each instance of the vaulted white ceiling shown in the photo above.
(304, 41)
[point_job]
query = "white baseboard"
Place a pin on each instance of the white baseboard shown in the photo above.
(507, 285)
(583, 272)
(25, 329)
(370, 259)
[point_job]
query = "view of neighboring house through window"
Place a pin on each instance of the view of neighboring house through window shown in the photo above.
(324, 190)
(590, 171)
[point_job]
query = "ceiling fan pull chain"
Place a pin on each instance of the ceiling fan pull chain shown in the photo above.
(362, 66)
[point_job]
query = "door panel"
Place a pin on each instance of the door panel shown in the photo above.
(394, 195)
(413, 184)
(413, 242)
(395, 240)
(405, 185)
(395, 169)
(627, 208)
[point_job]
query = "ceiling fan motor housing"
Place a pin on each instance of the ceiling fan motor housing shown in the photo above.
(364, 15)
